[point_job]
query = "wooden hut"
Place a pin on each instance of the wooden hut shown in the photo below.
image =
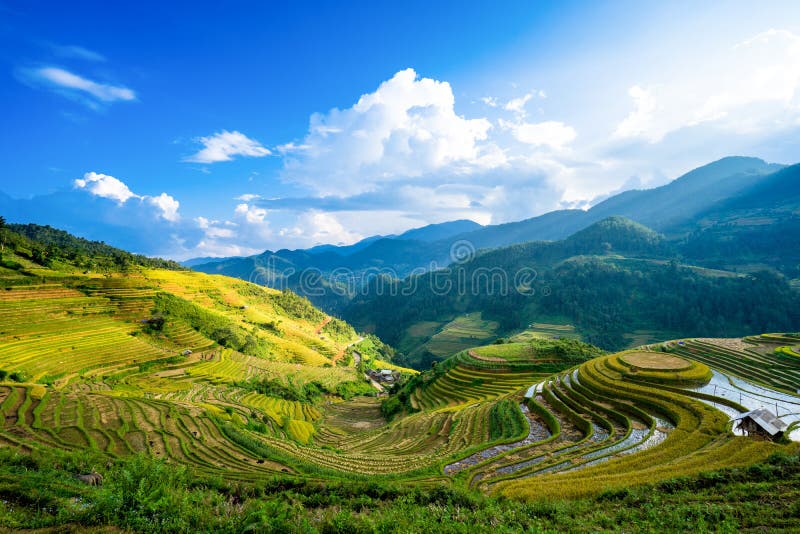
(761, 423)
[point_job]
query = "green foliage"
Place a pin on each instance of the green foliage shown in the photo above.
(372, 348)
(146, 495)
(506, 420)
(296, 306)
(212, 325)
(17, 376)
(348, 390)
(391, 406)
(606, 298)
(45, 245)
(339, 330)
(310, 392)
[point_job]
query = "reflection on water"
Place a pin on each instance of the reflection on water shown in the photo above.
(752, 397)
(536, 432)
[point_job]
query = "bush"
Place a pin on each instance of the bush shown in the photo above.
(506, 420)
(390, 407)
(18, 376)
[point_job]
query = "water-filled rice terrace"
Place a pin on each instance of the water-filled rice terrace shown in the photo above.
(82, 370)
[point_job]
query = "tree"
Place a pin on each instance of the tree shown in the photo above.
(39, 255)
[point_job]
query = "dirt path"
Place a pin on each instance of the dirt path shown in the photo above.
(320, 327)
(341, 352)
(338, 355)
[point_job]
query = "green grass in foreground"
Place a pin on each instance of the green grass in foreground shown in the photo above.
(146, 495)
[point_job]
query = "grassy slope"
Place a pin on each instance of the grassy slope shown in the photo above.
(79, 336)
(92, 386)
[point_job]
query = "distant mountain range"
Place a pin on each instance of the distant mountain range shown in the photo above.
(737, 191)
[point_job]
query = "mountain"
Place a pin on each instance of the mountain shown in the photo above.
(396, 256)
(615, 283)
(618, 235)
(436, 232)
(758, 228)
(50, 246)
(426, 234)
(344, 250)
(668, 208)
(779, 191)
(664, 207)
(660, 208)
(206, 259)
(550, 226)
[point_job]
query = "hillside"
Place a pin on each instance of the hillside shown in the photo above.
(557, 427)
(167, 390)
(674, 209)
(56, 248)
(127, 330)
(603, 280)
(757, 228)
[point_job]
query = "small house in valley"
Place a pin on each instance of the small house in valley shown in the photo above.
(761, 423)
(384, 375)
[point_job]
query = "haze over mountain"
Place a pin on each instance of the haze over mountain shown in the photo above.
(735, 215)
(673, 209)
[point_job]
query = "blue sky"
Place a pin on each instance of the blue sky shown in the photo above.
(187, 129)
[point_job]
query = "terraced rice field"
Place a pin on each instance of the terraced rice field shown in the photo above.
(123, 426)
(96, 378)
(656, 361)
(608, 432)
(461, 333)
(49, 328)
(465, 385)
(753, 359)
(546, 331)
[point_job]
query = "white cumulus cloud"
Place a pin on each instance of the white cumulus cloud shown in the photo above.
(252, 214)
(167, 205)
(517, 105)
(554, 134)
(225, 145)
(103, 185)
(214, 229)
(407, 128)
(316, 227)
(106, 186)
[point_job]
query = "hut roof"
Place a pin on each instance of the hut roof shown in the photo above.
(766, 420)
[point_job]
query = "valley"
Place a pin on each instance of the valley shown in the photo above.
(246, 384)
(399, 267)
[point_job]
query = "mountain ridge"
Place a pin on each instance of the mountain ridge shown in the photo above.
(688, 195)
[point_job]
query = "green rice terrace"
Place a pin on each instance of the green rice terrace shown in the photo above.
(238, 394)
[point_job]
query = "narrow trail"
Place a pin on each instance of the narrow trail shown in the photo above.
(321, 326)
(339, 354)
